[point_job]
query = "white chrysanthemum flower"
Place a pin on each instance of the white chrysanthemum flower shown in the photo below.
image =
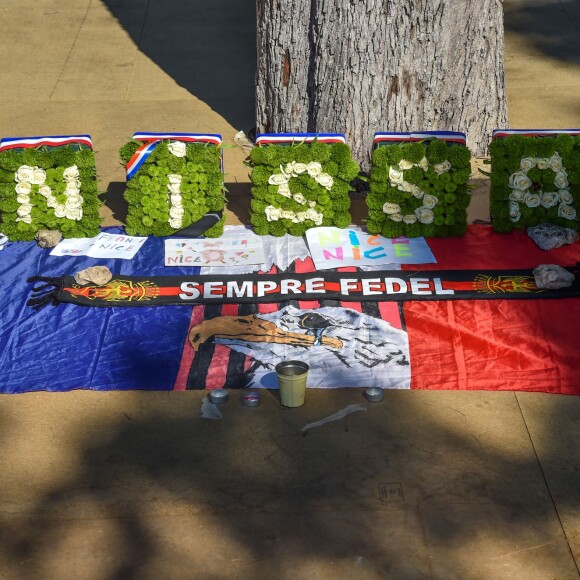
(273, 213)
(24, 209)
(314, 168)
(565, 196)
(177, 148)
(549, 199)
(532, 200)
(24, 173)
(277, 179)
(417, 192)
(424, 215)
(284, 190)
(440, 168)
(395, 176)
(23, 187)
(430, 201)
(561, 180)
(520, 181)
(527, 163)
(566, 211)
(71, 172)
(555, 163)
(325, 180)
(176, 212)
(391, 208)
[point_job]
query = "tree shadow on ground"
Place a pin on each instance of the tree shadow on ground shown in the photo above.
(551, 26)
(209, 48)
(251, 496)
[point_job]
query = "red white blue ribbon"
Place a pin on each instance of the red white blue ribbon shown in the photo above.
(282, 138)
(151, 140)
(139, 157)
(448, 136)
(51, 141)
(502, 133)
(187, 137)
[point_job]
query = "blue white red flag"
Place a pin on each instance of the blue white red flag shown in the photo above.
(51, 141)
(449, 136)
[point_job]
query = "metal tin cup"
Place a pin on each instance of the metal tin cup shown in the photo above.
(292, 375)
(251, 399)
(374, 394)
(218, 396)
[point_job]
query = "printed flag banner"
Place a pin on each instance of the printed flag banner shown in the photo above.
(348, 340)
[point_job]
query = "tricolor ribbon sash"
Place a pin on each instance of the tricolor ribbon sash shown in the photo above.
(502, 133)
(448, 136)
(151, 140)
(289, 138)
(50, 141)
(395, 285)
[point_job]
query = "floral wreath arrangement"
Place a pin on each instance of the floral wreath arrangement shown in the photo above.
(419, 184)
(300, 181)
(173, 180)
(48, 183)
(535, 178)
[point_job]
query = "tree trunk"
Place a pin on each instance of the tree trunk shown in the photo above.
(381, 65)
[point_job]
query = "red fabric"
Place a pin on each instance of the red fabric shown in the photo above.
(526, 345)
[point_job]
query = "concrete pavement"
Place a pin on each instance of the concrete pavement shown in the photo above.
(135, 485)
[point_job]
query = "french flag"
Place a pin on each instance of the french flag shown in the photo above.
(51, 141)
(287, 138)
(448, 136)
(502, 133)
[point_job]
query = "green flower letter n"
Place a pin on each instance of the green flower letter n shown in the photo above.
(48, 183)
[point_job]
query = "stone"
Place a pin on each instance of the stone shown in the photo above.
(553, 277)
(48, 238)
(98, 275)
(550, 236)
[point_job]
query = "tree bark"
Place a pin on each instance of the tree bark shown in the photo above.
(381, 65)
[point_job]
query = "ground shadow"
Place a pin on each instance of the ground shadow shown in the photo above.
(209, 48)
(551, 26)
(371, 494)
(114, 199)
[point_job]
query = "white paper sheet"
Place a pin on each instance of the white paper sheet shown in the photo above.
(102, 246)
(337, 248)
(245, 248)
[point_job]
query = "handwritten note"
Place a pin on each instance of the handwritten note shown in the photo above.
(336, 248)
(244, 249)
(102, 246)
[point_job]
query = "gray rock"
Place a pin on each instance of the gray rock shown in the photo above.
(553, 277)
(48, 238)
(98, 275)
(550, 236)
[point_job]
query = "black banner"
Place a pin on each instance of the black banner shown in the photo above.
(386, 285)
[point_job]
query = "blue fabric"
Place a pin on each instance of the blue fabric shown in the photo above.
(70, 347)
